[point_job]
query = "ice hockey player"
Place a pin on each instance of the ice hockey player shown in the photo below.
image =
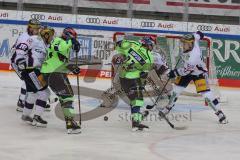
(30, 52)
(31, 30)
(55, 69)
(192, 68)
(136, 61)
(23, 91)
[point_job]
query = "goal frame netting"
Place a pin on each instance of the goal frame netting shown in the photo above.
(174, 38)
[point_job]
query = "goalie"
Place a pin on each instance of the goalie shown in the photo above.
(131, 68)
(193, 69)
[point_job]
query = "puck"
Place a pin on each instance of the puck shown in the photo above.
(105, 118)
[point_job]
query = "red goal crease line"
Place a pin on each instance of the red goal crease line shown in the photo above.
(204, 5)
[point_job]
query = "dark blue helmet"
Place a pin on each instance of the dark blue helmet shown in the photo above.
(148, 40)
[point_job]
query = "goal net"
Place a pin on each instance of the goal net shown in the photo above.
(169, 46)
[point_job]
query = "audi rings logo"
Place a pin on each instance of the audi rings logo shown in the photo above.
(204, 28)
(39, 17)
(147, 24)
(93, 20)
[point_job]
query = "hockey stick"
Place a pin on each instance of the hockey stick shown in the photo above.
(161, 114)
(78, 90)
(160, 94)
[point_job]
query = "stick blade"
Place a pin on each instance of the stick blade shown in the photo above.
(149, 107)
(180, 127)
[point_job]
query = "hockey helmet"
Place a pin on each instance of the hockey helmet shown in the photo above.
(69, 33)
(188, 38)
(34, 23)
(148, 40)
(47, 33)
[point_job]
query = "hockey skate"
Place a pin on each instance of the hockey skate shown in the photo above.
(136, 123)
(38, 121)
(27, 119)
(20, 106)
(222, 117)
(72, 126)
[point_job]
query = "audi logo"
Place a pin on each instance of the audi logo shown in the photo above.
(93, 20)
(148, 24)
(39, 17)
(204, 28)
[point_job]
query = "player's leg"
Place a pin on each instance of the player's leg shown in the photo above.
(35, 86)
(41, 103)
(133, 90)
(60, 85)
(203, 88)
(21, 98)
(180, 84)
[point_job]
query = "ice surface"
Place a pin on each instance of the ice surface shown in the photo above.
(113, 140)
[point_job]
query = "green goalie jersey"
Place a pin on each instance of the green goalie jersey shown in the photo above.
(58, 56)
(137, 59)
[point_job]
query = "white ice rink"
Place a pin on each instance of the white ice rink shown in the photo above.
(204, 139)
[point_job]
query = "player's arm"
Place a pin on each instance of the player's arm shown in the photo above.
(188, 67)
(64, 54)
(22, 50)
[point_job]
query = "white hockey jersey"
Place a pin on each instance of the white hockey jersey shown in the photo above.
(193, 64)
(30, 48)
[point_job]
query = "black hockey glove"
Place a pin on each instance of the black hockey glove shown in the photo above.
(21, 64)
(200, 34)
(76, 71)
(76, 45)
(172, 74)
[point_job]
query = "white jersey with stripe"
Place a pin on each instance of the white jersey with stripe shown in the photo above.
(30, 48)
(193, 62)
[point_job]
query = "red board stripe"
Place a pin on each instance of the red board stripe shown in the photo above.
(229, 82)
(125, 1)
(107, 74)
(204, 5)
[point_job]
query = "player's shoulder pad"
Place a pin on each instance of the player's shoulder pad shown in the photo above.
(25, 38)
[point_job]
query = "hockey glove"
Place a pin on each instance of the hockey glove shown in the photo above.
(76, 71)
(21, 64)
(76, 45)
(172, 74)
(143, 75)
(200, 34)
